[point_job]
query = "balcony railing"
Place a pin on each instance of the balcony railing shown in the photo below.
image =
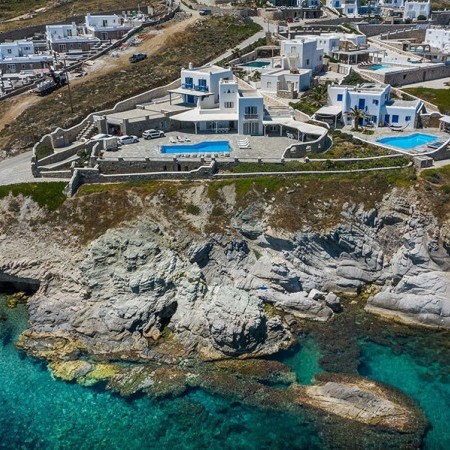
(187, 86)
(200, 88)
(251, 116)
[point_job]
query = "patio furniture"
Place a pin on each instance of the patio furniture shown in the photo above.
(172, 140)
(436, 145)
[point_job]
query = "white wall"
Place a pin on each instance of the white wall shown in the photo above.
(247, 102)
(303, 52)
(57, 32)
(438, 37)
(415, 9)
(16, 49)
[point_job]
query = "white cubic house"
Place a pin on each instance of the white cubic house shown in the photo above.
(301, 53)
(374, 100)
(438, 38)
(391, 3)
(107, 27)
(21, 55)
(65, 38)
(219, 104)
(414, 10)
(346, 7)
(285, 81)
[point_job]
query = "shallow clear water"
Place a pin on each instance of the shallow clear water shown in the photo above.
(38, 412)
(408, 142)
(202, 147)
(304, 360)
(380, 67)
(428, 383)
(256, 64)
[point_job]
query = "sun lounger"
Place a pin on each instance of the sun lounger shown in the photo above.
(244, 146)
(186, 139)
(180, 139)
(172, 140)
(436, 145)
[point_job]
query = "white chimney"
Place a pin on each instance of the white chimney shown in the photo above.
(191, 66)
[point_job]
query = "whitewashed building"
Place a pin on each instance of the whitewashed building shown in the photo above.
(415, 9)
(438, 38)
(107, 27)
(391, 3)
(219, 104)
(301, 53)
(64, 38)
(374, 100)
(281, 80)
(21, 55)
(347, 7)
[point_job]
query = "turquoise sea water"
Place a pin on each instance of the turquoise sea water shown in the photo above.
(425, 380)
(38, 412)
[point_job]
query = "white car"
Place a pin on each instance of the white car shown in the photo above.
(152, 134)
(101, 137)
(124, 140)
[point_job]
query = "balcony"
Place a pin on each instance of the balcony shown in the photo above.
(187, 86)
(201, 88)
(251, 116)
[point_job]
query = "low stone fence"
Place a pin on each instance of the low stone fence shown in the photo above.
(88, 175)
(302, 149)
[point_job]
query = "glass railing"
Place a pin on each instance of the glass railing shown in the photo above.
(251, 116)
(200, 88)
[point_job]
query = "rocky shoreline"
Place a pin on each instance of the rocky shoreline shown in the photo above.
(154, 293)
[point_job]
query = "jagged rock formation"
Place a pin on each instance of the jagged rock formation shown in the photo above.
(145, 292)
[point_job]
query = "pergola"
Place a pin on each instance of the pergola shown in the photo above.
(329, 112)
(352, 56)
(444, 124)
(215, 116)
(193, 93)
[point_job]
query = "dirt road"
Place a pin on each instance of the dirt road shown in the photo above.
(12, 108)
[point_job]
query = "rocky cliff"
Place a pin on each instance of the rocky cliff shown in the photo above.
(159, 286)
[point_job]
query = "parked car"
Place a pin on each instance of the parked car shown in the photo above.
(152, 134)
(124, 140)
(297, 19)
(138, 57)
(101, 137)
(205, 12)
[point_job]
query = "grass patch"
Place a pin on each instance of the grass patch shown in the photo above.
(43, 151)
(439, 97)
(192, 209)
(46, 195)
(197, 44)
(326, 164)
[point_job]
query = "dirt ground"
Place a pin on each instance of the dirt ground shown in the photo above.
(12, 108)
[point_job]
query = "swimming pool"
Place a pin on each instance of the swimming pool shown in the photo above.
(202, 147)
(408, 142)
(380, 67)
(256, 64)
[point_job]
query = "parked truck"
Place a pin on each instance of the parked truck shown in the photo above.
(55, 80)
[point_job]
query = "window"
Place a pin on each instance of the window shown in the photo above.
(269, 85)
(340, 97)
(229, 105)
(408, 118)
(9, 51)
(394, 118)
(307, 62)
(253, 110)
(375, 102)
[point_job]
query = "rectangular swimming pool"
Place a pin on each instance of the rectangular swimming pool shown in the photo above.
(201, 147)
(408, 142)
(380, 67)
(256, 64)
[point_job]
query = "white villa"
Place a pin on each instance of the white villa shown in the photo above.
(415, 9)
(21, 55)
(107, 27)
(374, 100)
(279, 80)
(438, 38)
(301, 53)
(347, 7)
(64, 38)
(220, 104)
(391, 3)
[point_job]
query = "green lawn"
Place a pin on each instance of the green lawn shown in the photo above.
(46, 195)
(439, 97)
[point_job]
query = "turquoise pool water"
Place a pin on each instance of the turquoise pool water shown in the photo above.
(256, 64)
(408, 142)
(202, 147)
(380, 67)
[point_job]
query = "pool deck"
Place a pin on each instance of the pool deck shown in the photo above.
(385, 132)
(265, 147)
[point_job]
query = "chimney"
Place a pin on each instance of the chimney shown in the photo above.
(191, 66)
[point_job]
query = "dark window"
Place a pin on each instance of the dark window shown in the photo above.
(394, 118)
(340, 97)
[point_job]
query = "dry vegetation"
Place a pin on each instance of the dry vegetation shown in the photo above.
(198, 44)
(57, 11)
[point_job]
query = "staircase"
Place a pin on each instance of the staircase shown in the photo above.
(86, 132)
